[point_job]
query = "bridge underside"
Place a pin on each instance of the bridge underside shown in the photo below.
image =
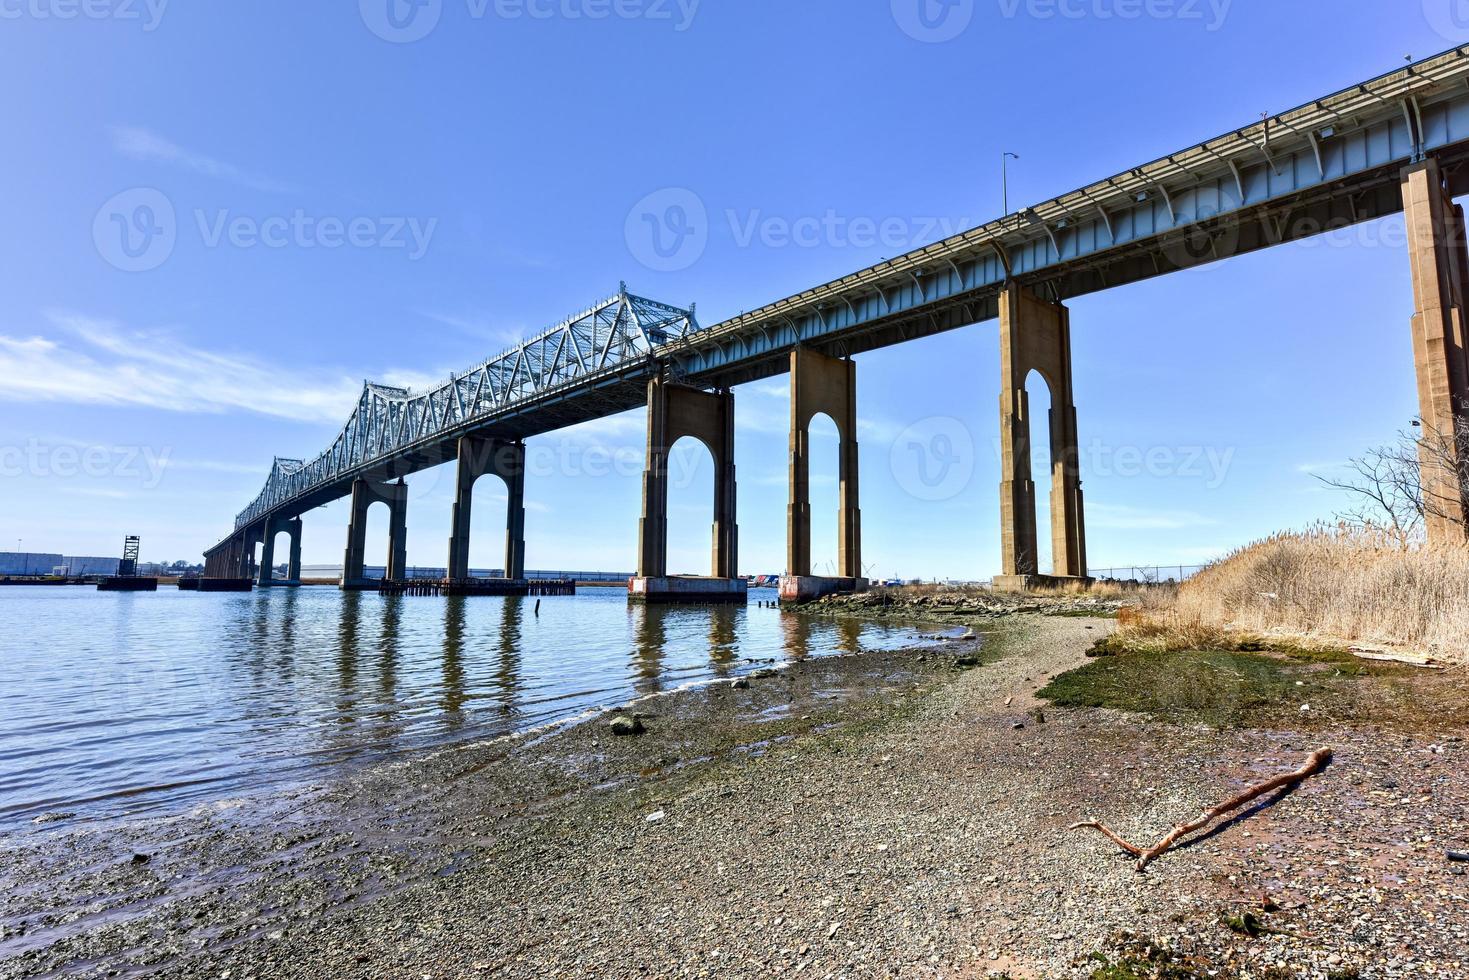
(1376, 195)
(1332, 164)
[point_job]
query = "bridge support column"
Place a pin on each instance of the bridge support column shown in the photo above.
(266, 576)
(479, 456)
(293, 561)
(364, 495)
(675, 411)
(1437, 251)
(245, 555)
(1035, 335)
(822, 385)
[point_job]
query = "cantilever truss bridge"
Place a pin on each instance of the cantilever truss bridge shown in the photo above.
(591, 364)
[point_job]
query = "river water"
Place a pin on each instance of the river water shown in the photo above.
(116, 703)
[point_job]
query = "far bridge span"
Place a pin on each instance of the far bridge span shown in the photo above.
(1399, 142)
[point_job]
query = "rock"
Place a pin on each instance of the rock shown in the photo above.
(140, 858)
(54, 816)
(627, 725)
(739, 683)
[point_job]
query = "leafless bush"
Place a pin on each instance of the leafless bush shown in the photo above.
(1398, 486)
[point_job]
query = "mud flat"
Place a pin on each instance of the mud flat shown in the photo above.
(898, 814)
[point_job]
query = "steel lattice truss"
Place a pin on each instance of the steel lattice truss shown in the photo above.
(389, 420)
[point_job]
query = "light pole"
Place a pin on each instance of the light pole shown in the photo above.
(1005, 159)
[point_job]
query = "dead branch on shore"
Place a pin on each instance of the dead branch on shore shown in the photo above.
(1145, 856)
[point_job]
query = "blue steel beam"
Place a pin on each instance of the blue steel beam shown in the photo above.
(1328, 164)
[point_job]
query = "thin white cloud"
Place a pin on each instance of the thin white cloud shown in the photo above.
(97, 362)
(142, 144)
(479, 327)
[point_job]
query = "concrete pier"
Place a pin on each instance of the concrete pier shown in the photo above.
(479, 456)
(822, 385)
(364, 494)
(692, 589)
(266, 575)
(675, 411)
(1035, 335)
(1437, 252)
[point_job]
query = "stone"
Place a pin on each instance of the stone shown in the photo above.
(627, 725)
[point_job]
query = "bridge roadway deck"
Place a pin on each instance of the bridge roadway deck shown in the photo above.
(1330, 164)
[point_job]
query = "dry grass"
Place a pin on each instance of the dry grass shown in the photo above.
(1326, 585)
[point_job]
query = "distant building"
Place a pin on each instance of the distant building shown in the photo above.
(46, 563)
(28, 563)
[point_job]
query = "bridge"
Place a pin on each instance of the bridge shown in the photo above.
(1399, 142)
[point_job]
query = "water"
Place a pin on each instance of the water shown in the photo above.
(118, 703)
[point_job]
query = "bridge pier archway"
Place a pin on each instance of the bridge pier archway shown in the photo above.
(1035, 336)
(480, 456)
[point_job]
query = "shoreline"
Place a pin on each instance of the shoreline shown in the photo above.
(896, 813)
(544, 766)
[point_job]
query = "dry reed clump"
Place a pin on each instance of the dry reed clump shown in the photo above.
(1325, 584)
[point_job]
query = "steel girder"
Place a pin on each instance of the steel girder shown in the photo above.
(1330, 163)
(584, 353)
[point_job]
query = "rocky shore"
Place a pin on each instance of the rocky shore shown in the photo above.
(876, 815)
(963, 604)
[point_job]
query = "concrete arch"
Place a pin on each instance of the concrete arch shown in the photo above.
(823, 485)
(822, 385)
(1035, 336)
(675, 412)
(365, 493)
(688, 482)
(480, 456)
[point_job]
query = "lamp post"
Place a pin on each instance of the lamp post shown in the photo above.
(1005, 159)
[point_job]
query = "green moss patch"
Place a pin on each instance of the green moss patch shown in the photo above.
(1301, 689)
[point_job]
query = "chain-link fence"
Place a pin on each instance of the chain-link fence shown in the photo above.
(1148, 574)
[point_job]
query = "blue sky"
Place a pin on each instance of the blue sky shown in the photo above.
(350, 200)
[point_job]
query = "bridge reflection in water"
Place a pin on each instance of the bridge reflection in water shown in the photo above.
(186, 697)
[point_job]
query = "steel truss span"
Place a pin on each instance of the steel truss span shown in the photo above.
(1332, 163)
(603, 344)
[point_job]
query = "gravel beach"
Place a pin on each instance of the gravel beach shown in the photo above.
(876, 815)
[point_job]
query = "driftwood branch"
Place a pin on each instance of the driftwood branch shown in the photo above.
(1145, 856)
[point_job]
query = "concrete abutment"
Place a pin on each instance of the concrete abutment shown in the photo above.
(675, 411)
